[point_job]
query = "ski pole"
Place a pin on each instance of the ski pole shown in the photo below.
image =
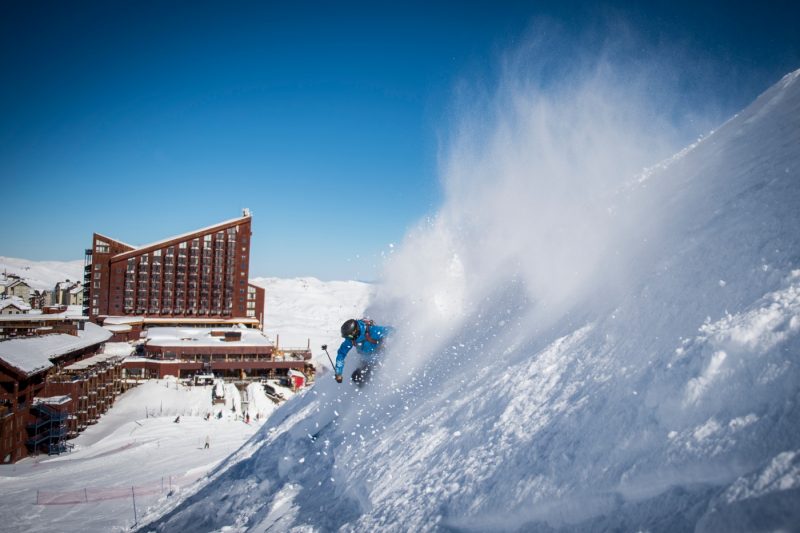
(325, 347)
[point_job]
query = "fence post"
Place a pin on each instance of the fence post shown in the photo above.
(133, 494)
(85, 495)
(37, 496)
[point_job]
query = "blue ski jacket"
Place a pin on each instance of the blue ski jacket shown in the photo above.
(363, 346)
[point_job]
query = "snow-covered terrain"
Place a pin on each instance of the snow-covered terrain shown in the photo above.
(578, 348)
(300, 311)
(43, 275)
(136, 449)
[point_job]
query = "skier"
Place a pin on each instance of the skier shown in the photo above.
(368, 341)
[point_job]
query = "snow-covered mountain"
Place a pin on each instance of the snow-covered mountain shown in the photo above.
(620, 355)
(43, 275)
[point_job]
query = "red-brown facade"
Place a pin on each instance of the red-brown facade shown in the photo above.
(203, 275)
(27, 427)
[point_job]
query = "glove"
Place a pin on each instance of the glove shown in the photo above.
(338, 378)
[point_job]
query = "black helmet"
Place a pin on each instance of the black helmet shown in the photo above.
(350, 329)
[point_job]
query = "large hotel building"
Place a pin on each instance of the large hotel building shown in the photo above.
(198, 278)
(179, 307)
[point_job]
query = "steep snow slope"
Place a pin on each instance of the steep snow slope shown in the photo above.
(624, 360)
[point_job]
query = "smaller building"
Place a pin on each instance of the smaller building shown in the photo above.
(234, 353)
(41, 299)
(27, 425)
(16, 286)
(68, 293)
(32, 325)
(14, 305)
(297, 380)
(76, 295)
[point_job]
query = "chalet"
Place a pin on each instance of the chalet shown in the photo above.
(14, 306)
(17, 287)
(68, 293)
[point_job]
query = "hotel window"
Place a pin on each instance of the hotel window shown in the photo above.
(101, 247)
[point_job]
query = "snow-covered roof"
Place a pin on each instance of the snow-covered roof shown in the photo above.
(75, 290)
(202, 337)
(53, 400)
(118, 348)
(33, 316)
(120, 320)
(153, 361)
(16, 301)
(33, 354)
(11, 283)
(91, 361)
(118, 328)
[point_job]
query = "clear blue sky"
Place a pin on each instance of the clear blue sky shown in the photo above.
(142, 120)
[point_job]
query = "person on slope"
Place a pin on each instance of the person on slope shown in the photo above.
(368, 340)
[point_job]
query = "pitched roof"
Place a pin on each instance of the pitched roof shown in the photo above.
(15, 282)
(16, 301)
(31, 355)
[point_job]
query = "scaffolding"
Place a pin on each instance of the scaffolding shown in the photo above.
(49, 431)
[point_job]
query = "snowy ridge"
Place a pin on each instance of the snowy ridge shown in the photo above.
(43, 275)
(637, 372)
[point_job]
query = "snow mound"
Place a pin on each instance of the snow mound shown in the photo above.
(575, 350)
